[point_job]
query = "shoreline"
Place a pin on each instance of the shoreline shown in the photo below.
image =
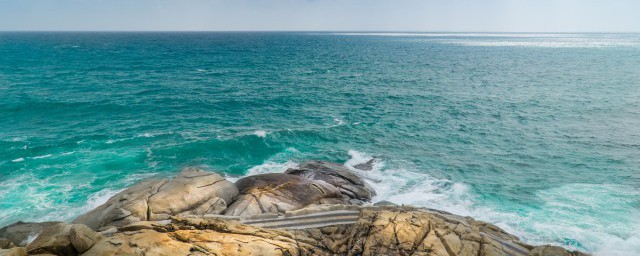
(316, 208)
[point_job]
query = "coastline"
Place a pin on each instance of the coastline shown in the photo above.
(317, 208)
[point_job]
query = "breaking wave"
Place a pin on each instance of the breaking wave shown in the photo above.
(595, 218)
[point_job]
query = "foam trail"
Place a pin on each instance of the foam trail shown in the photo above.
(402, 186)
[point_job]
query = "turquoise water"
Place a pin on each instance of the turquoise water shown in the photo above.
(538, 133)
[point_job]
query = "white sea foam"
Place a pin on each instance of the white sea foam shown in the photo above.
(133, 178)
(146, 135)
(17, 139)
(599, 218)
(42, 156)
(568, 42)
(544, 40)
(525, 35)
(260, 133)
(47, 199)
(276, 164)
(18, 160)
(616, 246)
(29, 239)
(68, 212)
(396, 185)
(142, 135)
(403, 186)
(99, 198)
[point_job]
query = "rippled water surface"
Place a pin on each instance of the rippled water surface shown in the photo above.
(538, 133)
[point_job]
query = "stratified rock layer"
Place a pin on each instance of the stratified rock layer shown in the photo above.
(279, 192)
(377, 231)
(353, 188)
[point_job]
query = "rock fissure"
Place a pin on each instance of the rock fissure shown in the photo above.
(445, 244)
(208, 185)
(257, 200)
(420, 240)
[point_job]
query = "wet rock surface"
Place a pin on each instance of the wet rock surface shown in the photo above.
(353, 188)
(280, 192)
(22, 233)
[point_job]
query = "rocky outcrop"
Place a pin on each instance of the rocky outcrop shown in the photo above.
(366, 166)
(403, 230)
(279, 192)
(315, 209)
(353, 188)
(311, 183)
(200, 237)
(192, 192)
(388, 230)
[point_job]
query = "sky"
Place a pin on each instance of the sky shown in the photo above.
(322, 15)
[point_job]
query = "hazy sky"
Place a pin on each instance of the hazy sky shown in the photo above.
(350, 15)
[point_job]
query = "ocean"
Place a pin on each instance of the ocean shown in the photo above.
(537, 133)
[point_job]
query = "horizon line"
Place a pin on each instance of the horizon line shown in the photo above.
(335, 31)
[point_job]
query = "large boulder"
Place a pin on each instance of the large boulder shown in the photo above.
(64, 239)
(22, 233)
(279, 192)
(55, 240)
(353, 188)
(82, 237)
(192, 192)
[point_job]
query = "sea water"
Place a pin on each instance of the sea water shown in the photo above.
(537, 133)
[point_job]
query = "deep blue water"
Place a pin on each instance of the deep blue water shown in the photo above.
(538, 133)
